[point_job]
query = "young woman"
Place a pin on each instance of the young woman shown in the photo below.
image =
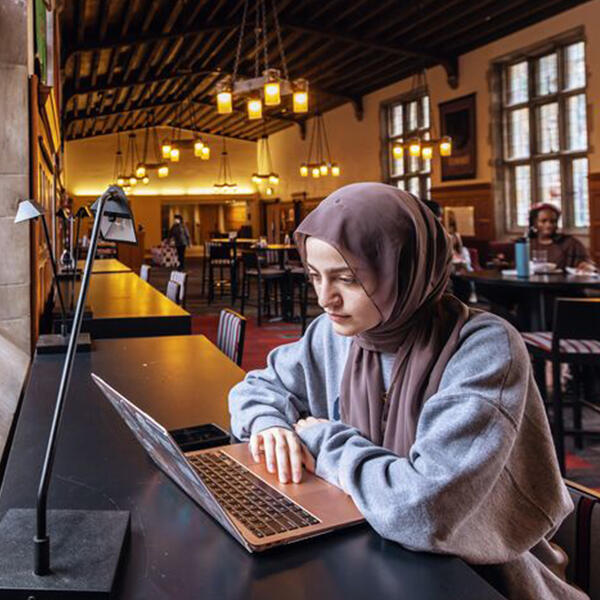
(425, 412)
(563, 250)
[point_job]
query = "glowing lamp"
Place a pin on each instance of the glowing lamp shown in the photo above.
(198, 145)
(300, 96)
(140, 171)
(132, 181)
(205, 153)
(427, 152)
(224, 103)
(254, 106)
(446, 146)
(166, 149)
(323, 169)
(414, 147)
(269, 191)
(303, 170)
(163, 171)
(174, 155)
(397, 151)
(316, 172)
(256, 179)
(274, 179)
(146, 180)
(335, 170)
(121, 180)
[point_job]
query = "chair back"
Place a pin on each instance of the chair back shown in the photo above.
(579, 537)
(181, 278)
(230, 335)
(173, 291)
(219, 251)
(145, 272)
(250, 260)
(576, 319)
(474, 254)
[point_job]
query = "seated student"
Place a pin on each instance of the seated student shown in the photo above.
(563, 250)
(423, 411)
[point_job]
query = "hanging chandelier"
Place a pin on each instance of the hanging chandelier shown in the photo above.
(268, 85)
(318, 162)
(172, 146)
(130, 170)
(265, 173)
(224, 180)
(415, 145)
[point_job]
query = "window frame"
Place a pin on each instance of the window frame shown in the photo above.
(506, 167)
(387, 140)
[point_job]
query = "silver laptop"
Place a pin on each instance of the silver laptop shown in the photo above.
(247, 500)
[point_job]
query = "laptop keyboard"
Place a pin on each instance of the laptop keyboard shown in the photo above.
(261, 508)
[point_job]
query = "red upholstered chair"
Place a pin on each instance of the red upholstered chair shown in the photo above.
(574, 339)
(230, 335)
(474, 254)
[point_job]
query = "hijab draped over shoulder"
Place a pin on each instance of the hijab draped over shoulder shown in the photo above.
(401, 255)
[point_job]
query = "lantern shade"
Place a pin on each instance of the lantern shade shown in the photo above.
(324, 169)
(427, 152)
(254, 106)
(205, 152)
(397, 151)
(300, 96)
(303, 170)
(174, 155)
(224, 103)
(335, 170)
(163, 171)
(316, 172)
(414, 147)
(166, 149)
(121, 181)
(198, 145)
(446, 146)
(272, 93)
(140, 171)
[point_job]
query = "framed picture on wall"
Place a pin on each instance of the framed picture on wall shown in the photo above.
(457, 119)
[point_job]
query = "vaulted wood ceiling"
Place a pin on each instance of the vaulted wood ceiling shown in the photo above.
(123, 58)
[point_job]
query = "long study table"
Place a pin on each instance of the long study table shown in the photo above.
(124, 305)
(176, 550)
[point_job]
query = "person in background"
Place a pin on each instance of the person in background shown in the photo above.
(181, 237)
(561, 249)
(421, 409)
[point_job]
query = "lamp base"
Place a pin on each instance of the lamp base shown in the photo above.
(86, 547)
(54, 343)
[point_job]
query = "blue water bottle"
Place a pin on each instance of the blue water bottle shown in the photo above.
(522, 257)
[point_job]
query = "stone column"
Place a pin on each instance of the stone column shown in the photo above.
(15, 305)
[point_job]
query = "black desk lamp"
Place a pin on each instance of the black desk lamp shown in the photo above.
(29, 210)
(83, 212)
(66, 258)
(86, 544)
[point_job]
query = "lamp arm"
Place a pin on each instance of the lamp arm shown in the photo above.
(41, 539)
(75, 259)
(63, 312)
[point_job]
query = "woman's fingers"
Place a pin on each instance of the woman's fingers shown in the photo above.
(269, 449)
(295, 454)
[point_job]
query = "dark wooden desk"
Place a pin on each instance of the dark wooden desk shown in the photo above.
(532, 295)
(106, 265)
(176, 550)
(124, 305)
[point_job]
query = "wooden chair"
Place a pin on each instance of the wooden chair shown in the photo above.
(173, 291)
(145, 272)
(221, 259)
(575, 340)
(230, 335)
(266, 278)
(579, 537)
(181, 278)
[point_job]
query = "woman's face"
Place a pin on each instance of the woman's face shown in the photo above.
(546, 223)
(340, 295)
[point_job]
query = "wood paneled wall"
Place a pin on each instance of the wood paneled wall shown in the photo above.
(594, 187)
(477, 195)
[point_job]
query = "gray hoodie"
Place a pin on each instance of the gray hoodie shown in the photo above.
(481, 481)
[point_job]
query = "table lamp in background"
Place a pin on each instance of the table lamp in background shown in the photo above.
(66, 257)
(86, 544)
(29, 210)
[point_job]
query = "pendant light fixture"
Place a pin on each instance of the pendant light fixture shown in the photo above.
(119, 168)
(172, 145)
(265, 173)
(269, 83)
(415, 146)
(318, 162)
(224, 181)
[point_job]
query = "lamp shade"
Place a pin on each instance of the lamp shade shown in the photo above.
(27, 210)
(117, 224)
(84, 212)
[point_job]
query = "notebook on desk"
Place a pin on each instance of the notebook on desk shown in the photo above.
(241, 495)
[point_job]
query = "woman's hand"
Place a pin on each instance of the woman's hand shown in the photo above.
(586, 267)
(282, 452)
(308, 422)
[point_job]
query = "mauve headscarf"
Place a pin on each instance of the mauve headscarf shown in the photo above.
(390, 237)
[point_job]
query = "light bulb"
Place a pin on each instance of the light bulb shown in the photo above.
(272, 94)
(146, 180)
(414, 147)
(198, 145)
(300, 95)
(140, 171)
(163, 171)
(269, 191)
(132, 181)
(256, 179)
(205, 153)
(174, 156)
(120, 180)
(397, 151)
(335, 170)
(316, 172)
(166, 149)
(324, 169)
(254, 108)
(303, 170)
(446, 146)
(427, 152)
(224, 103)
(274, 179)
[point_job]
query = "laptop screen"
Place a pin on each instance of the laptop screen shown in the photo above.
(163, 450)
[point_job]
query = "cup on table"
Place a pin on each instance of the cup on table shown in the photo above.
(539, 256)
